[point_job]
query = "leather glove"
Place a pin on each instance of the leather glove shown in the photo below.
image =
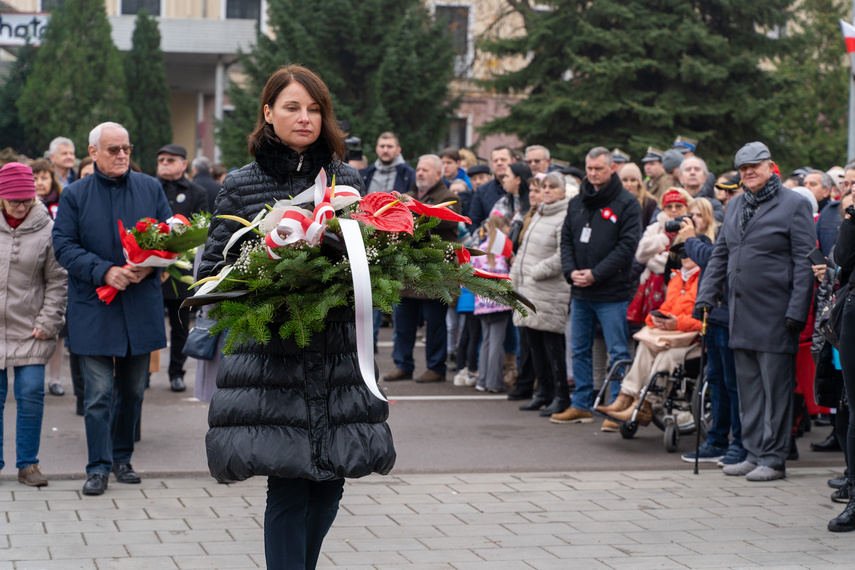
(794, 325)
(698, 312)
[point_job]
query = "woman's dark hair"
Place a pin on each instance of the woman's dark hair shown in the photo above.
(86, 160)
(282, 78)
(522, 171)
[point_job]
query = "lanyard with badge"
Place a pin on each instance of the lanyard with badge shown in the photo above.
(586, 231)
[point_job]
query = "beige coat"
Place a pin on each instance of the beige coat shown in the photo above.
(653, 248)
(537, 274)
(33, 290)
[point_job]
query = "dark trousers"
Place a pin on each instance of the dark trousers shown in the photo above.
(467, 343)
(721, 375)
(525, 370)
(406, 315)
(298, 516)
(179, 328)
(847, 366)
(766, 381)
(550, 367)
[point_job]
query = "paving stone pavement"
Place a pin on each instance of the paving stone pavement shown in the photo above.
(496, 521)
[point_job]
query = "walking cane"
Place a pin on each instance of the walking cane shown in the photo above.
(700, 386)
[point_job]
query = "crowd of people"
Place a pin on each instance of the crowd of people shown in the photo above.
(625, 266)
(622, 265)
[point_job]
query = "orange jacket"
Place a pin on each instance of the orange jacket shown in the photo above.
(680, 300)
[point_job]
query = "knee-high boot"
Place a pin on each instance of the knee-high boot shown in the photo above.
(560, 400)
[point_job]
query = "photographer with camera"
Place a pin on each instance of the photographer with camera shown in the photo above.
(652, 251)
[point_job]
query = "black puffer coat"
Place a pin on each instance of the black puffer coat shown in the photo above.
(283, 410)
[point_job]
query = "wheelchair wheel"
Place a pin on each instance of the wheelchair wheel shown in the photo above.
(671, 437)
(702, 409)
(628, 429)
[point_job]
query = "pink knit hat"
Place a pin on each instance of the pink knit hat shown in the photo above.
(16, 182)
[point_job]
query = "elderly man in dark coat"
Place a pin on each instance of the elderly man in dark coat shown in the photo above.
(117, 337)
(762, 254)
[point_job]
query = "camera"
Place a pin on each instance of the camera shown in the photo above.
(674, 226)
(354, 148)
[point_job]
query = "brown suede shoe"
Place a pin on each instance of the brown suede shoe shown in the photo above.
(430, 376)
(643, 417)
(609, 426)
(571, 416)
(398, 374)
(622, 402)
(30, 475)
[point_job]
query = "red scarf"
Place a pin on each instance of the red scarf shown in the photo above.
(13, 222)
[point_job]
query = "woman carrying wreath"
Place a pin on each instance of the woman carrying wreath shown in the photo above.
(302, 417)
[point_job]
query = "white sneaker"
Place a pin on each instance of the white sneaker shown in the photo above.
(461, 377)
(471, 379)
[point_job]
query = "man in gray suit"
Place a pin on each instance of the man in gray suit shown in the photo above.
(762, 253)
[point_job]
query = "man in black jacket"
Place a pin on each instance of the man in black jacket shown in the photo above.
(185, 198)
(598, 242)
(201, 166)
(488, 194)
(389, 172)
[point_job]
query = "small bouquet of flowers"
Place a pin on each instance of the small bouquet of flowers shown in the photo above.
(160, 244)
(346, 251)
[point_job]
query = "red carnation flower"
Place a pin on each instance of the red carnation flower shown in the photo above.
(163, 228)
(142, 226)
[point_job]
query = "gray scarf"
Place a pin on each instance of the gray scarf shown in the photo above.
(754, 199)
(384, 175)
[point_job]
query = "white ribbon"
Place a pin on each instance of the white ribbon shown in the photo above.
(362, 303)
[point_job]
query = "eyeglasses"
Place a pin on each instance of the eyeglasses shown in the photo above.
(534, 160)
(19, 203)
(167, 159)
(114, 150)
(845, 184)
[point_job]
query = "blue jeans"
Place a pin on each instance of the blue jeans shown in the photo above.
(298, 516)
(612, 317)
(406, 317)
(721, 375)
(111, 425)
(30, 400)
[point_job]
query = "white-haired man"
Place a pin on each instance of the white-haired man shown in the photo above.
(61, 154)
(538, 159)
(113, 340)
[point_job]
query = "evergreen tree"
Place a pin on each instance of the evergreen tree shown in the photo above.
(386, 63)
(13, 132)
(148, 93)
(637, 73)
(78, 79)
(812, 121)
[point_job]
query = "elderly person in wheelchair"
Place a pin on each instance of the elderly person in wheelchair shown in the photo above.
(666, 342)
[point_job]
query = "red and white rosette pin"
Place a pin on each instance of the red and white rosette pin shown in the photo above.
(609, 215)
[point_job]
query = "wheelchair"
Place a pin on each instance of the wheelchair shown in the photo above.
(678, 404)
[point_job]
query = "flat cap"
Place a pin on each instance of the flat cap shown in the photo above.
(620, 156)
(175, 149)
(685, 144)
(672, 159)
(752, 153)
(653, 155)
(478, 169)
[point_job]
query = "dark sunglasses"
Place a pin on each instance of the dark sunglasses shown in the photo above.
(114, 150)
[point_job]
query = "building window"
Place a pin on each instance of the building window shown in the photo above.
(132, 7)
(244, 9)
(458, 133)
(457, 20)
(51, 5)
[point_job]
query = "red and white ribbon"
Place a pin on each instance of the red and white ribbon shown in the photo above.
(296, 227)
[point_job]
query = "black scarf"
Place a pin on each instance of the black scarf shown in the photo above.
(754, 199)
(595, 199)
(51, 197)
(282, 162)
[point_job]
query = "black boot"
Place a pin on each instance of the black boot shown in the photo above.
(793, 454)
(542, 397)
(561, 401)
(829, 444)
(845, 521)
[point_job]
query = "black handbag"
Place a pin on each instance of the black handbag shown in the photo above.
(831, 317)
(201, 344)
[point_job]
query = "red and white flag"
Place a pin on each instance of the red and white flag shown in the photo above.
(502, 245)
(848, 35)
